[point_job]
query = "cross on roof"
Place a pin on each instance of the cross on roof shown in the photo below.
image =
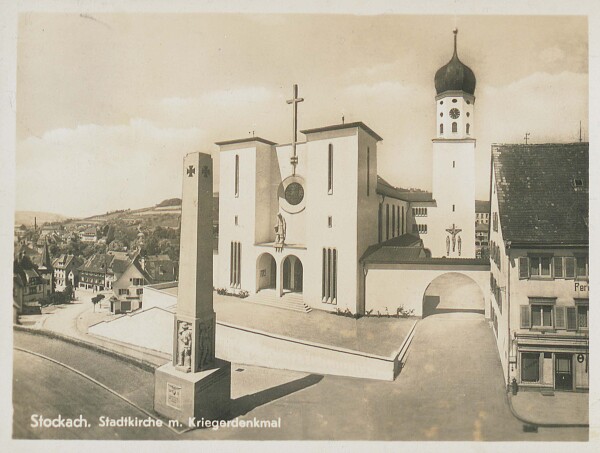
(295, 100)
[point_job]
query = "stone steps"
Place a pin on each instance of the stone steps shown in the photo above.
(289, 301)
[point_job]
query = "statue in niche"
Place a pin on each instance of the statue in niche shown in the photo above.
(447, 245)
(279, 232)
(205, 344)
(459, 245)
(184, 346)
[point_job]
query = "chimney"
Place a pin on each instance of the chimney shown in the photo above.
(35, 223)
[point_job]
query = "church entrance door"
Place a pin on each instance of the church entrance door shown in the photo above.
(266, 272)
(293, 274)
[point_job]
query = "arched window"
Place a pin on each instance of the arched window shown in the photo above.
(468, 127)
(441, 128)
(454, 127)
(330, 171)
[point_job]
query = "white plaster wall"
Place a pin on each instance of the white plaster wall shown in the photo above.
(395, 286)
(465, 104)
(453, 185)
(243, 206)
(251, 347)
(342, 206)
(502, 276)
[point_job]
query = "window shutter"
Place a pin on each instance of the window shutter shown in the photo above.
(571, 318)
(523, 267)
(569, 267)
(558, 267)
(525, 322)
(560, 317)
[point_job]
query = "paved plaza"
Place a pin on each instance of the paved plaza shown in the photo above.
(451, 389)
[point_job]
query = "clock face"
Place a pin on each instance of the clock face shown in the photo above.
(294, 193)
(454, 113)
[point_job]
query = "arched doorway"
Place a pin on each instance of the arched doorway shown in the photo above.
(453, 292)
(293, 274)
(266, 272)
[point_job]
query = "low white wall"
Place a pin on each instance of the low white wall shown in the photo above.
(253, 347)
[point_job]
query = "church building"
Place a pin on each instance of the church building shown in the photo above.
(304, 222)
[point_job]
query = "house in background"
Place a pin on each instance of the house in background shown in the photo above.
(29, 287)
(141, 271)
(539, 248)
(88, 235)
(66, 271)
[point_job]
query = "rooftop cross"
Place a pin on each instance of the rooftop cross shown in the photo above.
(526, 137)
(295, 100)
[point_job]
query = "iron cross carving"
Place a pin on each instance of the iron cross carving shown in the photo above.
(205, 171)
(191, 171)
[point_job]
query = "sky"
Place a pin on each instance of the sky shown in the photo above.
(108, 104)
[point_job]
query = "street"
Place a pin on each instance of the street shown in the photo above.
(451, 389)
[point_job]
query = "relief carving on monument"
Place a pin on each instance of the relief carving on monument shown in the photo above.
(206, 344)
(184, 346)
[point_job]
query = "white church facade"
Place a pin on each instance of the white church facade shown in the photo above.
(312, 218)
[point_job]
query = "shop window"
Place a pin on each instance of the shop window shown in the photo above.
(530, 367)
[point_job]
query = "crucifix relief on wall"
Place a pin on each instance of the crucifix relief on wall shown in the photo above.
(295, 100)
(454, 232)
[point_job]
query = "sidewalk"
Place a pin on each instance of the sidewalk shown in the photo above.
(563, 408)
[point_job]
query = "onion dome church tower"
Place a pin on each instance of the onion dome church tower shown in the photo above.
(453, 181)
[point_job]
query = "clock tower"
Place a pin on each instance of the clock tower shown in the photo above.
(453, 221)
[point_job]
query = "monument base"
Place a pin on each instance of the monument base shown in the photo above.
(182, 396)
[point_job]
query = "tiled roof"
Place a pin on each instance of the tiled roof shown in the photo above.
(63, 261)
(482, 206)
(385, 188)
(542, 192)
(98, 263)
(405, 247)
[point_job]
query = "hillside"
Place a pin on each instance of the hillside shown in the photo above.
(27, 217)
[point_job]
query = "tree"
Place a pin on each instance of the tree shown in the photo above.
(69, 293)
(97, 299)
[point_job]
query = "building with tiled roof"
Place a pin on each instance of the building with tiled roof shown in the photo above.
(539, 251)
(66, 271)
(29, 286)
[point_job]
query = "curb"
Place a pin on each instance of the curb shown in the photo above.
(541, 424)
(143, 364)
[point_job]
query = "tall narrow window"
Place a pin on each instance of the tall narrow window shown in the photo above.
(237, 175)
(453, 164)
(368, 170)
(454, 127)
(468, 128)
(235, 266)
(387, 222)
(380, 223)
(402, 219)
(330, 170)
(441, 128)
(398, 217)
(329, 276)
(393, 220)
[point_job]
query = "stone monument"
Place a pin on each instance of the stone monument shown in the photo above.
(195, 383)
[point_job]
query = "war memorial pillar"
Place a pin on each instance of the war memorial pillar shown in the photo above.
(195, 383)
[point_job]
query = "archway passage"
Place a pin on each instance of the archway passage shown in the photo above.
(266, 272)
(293, 274)
(453, 292)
